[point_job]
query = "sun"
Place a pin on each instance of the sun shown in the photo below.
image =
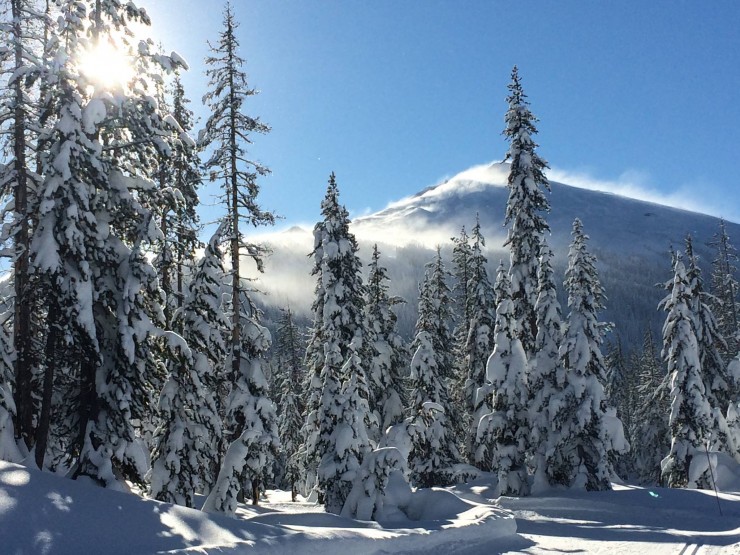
(106, 66)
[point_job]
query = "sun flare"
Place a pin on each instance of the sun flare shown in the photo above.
(106, 66)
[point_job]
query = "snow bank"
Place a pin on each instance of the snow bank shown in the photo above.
(43, 513)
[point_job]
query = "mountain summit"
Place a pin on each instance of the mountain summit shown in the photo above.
(631, 239)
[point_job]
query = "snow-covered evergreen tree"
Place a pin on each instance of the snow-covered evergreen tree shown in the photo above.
(388, 352)
(479, 344)
(724, 289)
(348, 442)
(250, 413)
(462, 310)
(227, 131)
(719, 387)
(462, 253)
(620, 390)
(652, 438)
(175, 475)
(179, 176)
(546, 375)
(338, 321)
(290, 375)
(8, 447)
(506, 428)
(433, 451)
(250, 416)
(186, 178)
(690, 418)
(367, 499)
(20, 67)
(189, 399)
(435, 315)
(88, 246)
(251, 420)
(586, 434)
(523, 209)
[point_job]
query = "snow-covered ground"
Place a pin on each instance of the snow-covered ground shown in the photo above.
(42, 513)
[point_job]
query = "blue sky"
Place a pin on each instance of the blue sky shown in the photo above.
(395, 95)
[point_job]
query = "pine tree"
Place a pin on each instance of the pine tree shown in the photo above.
(348, 442)
(462, 302)
(388, 352)
(88, 246)
(506, 428)
(251, 421)
(432, 415)
(290, 376)
(227, 130)
(480, 343)
(690, 419)
(652, 438)
(180, 440)
(720, 387)
(367, 499)
(8, 447)
(251, 418)
(526, 202)
(587, 435)
(179, 177)
(724, 289)
(17, 111)
(546, 376)
(433, 451)
(435, 315)
(620, 391)
(338, 321)
(186, 179)
(204, 328)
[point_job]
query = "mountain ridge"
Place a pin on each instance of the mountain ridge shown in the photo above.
(631, 239)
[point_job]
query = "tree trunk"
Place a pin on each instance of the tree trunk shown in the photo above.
(234, 209)
(22, 309)
(42, 431)
(255, 491)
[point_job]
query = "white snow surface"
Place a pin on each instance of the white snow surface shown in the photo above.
(43, 513)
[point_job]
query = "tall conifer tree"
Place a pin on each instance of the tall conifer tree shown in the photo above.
(690, 419)
(586, 434)
(338, 322)
(724, 289)
(290, 375)
(17, 181)
(94, 223)
(547, 376)
(524, 208)
(480, 341)
(431, 421)
(720, 388)
(506, 428)
(227, 131)
(387, 350)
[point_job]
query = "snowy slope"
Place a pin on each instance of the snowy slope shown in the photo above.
(631, 239)
(43, 513)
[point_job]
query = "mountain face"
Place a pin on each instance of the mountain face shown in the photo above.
(630, 238)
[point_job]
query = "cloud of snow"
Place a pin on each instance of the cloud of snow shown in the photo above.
(287, 280)
(696, 197)
(471, 180)
(401, 233)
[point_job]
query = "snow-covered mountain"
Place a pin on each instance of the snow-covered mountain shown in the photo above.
(631, 239)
